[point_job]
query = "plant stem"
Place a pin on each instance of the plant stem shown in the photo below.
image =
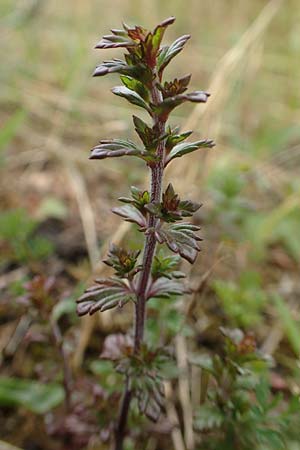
(122, 420)
(148, 254)
(150, 241)
(67, 373)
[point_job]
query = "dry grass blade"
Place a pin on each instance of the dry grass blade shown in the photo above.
(184, 391)
(176, 435)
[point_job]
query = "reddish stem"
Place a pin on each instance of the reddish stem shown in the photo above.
(148, 254)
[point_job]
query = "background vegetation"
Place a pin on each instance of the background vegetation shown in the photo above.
(55, 221)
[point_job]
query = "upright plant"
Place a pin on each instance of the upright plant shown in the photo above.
(158, 215)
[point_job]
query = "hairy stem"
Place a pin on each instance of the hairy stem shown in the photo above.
(148, 254)
(150, 241)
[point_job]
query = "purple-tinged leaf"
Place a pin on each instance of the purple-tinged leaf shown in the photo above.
(188, 147)
(106, 294)
(131, 214)
(116, 347)
(115, 41)
(180, 238)
(167, 105)
(114, 148)
(163, 287)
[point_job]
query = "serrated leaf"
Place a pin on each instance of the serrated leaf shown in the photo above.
(188, 147)
(106, 294)
(163, 287)
(37, 397)
(131, 96)
(169, 52)
(131, 214)
(180, 238)
(208, 418)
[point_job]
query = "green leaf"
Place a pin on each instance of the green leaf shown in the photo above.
(66, 306)
(136, 86)
(209, 417)
(37, 397)
(10, 129)
(52, 207)
(106, 294)
(290, 325)
(159, 32)
(131, 96)
(169, 52)
(189, 147)
(174, 138)
(150, 136)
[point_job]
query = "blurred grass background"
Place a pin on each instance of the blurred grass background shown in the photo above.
(53, 112)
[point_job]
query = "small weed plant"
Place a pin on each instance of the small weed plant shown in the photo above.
(159, 213)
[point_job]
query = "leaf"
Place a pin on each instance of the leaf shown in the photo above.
(37, 397)
(119, 39)
(114, 148)
(139, 199)
(163, 287)
(159, 32)
(180, 238)
(169, 52)
(189, 147)
(106, 294)
(167, 105)
(134, 69)
(163, 266)
(131, 214)
(123, 261)
(131, 96)
(290, 325)
(175, 87)
(149, 136)
(116, 347)
(136, 86)
(63, 307)
(208, 417)
(150, 397)
(10, 128)
(119, 147)
(174, 138)
(202, 360)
